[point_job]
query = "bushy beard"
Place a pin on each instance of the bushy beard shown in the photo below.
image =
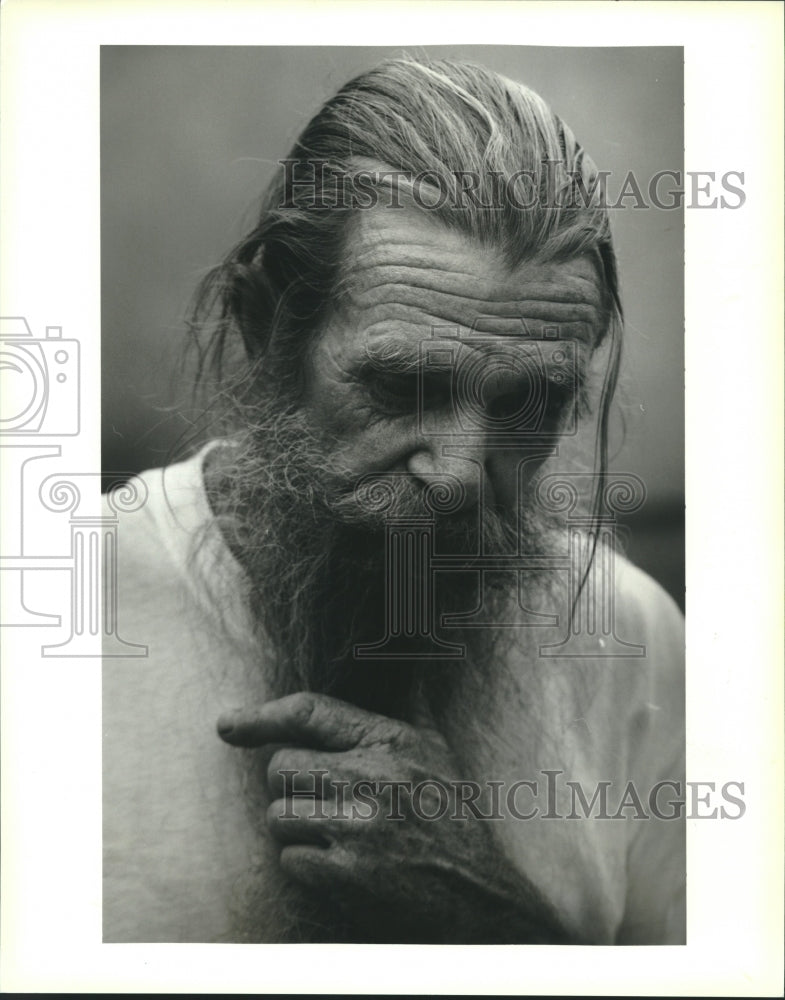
(317, 549)
(314, 548)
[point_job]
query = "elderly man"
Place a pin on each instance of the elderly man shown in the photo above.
(398, 688)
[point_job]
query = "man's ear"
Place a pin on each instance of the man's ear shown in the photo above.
(252, 300)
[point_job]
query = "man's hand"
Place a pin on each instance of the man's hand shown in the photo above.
(408, 867)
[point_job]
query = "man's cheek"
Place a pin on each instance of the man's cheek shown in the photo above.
(381, 444)
(333, 409)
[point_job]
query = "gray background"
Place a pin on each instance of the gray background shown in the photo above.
(189, 138)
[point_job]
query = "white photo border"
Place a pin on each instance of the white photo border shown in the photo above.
(51, 733)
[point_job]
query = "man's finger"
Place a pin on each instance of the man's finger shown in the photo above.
(300, 821)
(295, 769)
(310, 864)
(307, 719)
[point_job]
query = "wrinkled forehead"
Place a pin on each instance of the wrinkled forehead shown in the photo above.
(409, 276)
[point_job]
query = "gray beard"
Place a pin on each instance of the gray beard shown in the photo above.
(318, 577)
(317, 586)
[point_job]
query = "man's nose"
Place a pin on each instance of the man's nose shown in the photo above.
(453, 466)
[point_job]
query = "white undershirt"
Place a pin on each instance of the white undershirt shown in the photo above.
(178, 838)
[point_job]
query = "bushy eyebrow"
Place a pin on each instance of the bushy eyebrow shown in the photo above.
(401, 358)
(391, 357)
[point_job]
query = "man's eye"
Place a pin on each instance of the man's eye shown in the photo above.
(506, 406)
(539, 406)
(395, 392)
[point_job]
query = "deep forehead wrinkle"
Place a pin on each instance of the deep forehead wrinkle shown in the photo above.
(540, 302)
(403, 267)
(393, 264)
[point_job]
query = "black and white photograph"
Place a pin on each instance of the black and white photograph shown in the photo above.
(416, 691)
(388, 559)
